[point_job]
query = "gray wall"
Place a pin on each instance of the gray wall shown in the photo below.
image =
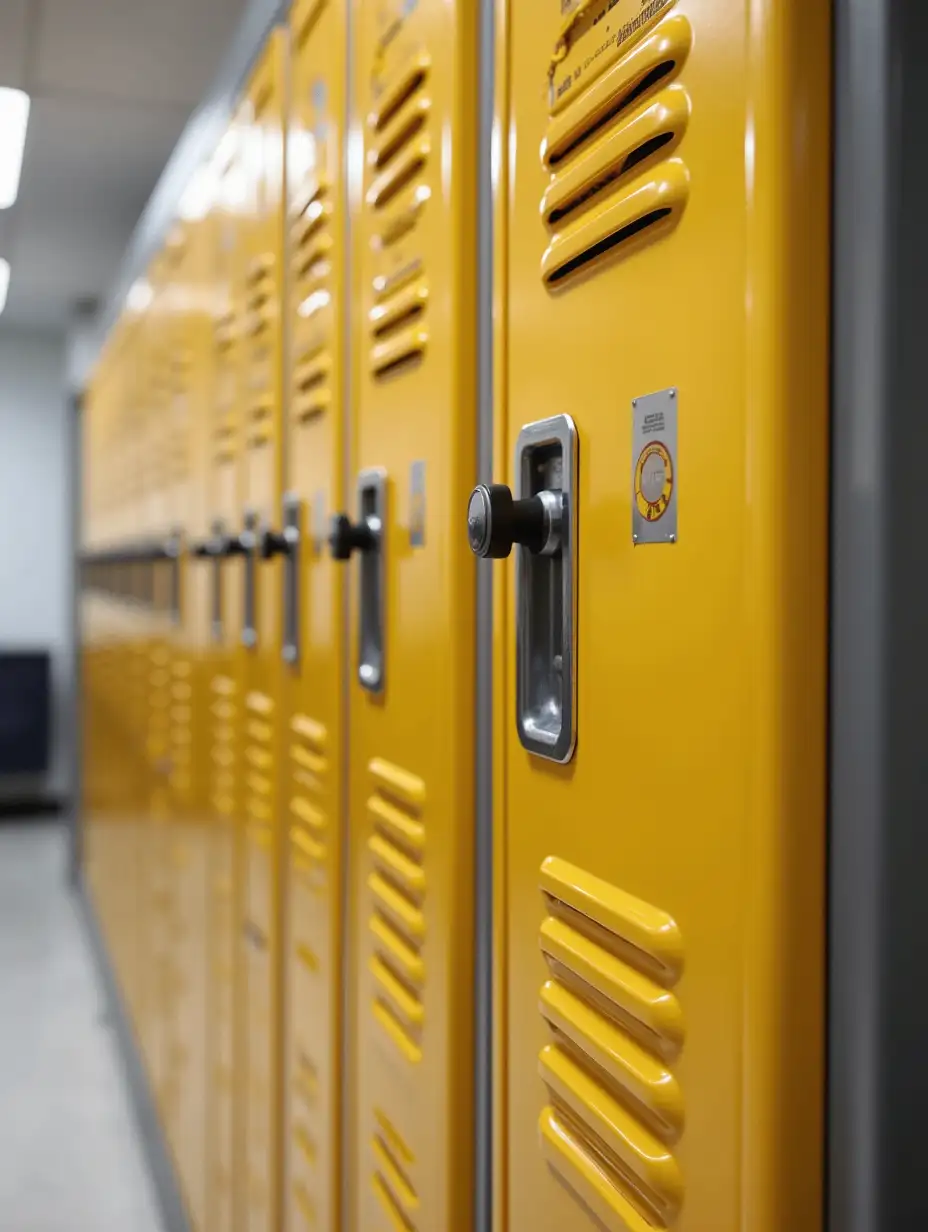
(35, 531)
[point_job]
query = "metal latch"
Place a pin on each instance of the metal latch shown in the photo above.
(542, 520)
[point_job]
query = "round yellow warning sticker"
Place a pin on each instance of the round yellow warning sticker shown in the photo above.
(653, 481)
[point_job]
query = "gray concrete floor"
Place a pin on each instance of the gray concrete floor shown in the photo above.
(70, 1157)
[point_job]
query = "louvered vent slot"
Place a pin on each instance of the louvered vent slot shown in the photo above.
(225, 426)
(392, 1178)
(397, 923)
(616, 180)
(260, 311)
(259, 766)
(223, 719)
(312, 244)
(398, 155)
(616, 1109)
(308, 822)
(182, 729)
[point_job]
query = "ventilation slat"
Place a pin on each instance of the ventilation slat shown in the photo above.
(585, 1175)
(397, 949)
(316, 215)
(409, 874)
(649, 929)
(401, 172)
(406, 124)
(308, 760)
(305, 845)
(401, 309)
(405, 828)
(314, 371)
(632, 992)
(621, 82)
(308, 813)
(308, 406)
(408, 1007)
(387, 1019)
(617, 1108)
(397, 907)
(635, 1150)
(659, 126)
(397, 91)
(385, 285)
(648, 209)
(637, 1070)
(392, 1173)
(398, 221)
(401, 349)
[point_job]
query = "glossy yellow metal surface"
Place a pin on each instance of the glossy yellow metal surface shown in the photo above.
(411, 745)
(224, 700)
(665, 179)
(191, 830)
(313, 748)
(261, 416)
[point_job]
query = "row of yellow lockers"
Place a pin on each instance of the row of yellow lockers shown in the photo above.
(281, 639)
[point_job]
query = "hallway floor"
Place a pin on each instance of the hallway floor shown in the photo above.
(70, 1157)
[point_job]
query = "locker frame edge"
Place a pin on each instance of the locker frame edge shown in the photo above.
(878, 848)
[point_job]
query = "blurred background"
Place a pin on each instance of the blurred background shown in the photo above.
(111, 85)
(94, 96)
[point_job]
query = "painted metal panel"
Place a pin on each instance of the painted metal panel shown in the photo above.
(313, 745)
(411, 746)
(661, 1021)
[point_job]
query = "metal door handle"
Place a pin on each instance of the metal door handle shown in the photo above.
(367, 537)
(245, 545)
(542, 520)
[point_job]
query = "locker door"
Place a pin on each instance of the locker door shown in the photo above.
(412, 614)
(313, 768)
(189, 756)
(225, 574)
(262, 376)
(662, 749)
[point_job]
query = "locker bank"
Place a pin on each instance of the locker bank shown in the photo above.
(499, 683)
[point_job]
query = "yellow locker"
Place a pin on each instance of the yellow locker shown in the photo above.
(262, 427)
(313, 752)
(189, 842)
(411, 629)
(661, 746)
(224, 696)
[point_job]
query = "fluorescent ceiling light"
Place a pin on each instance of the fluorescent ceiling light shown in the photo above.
(4, 282)
(14, 119)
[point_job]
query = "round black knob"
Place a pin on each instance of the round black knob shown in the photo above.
(346, 537)
(273, 543)
(236, 545)
(495, 521)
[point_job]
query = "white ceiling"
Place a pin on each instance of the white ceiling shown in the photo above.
(113, 83)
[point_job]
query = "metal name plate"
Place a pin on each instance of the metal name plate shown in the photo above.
(654, 468)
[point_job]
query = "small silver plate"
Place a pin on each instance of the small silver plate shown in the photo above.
(655, 468)
(417, 505)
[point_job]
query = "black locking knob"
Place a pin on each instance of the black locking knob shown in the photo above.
(236, 545)
(273, 543)
(346, 537)
(496, 521)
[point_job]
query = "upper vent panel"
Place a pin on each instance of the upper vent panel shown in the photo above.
(616, 181)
